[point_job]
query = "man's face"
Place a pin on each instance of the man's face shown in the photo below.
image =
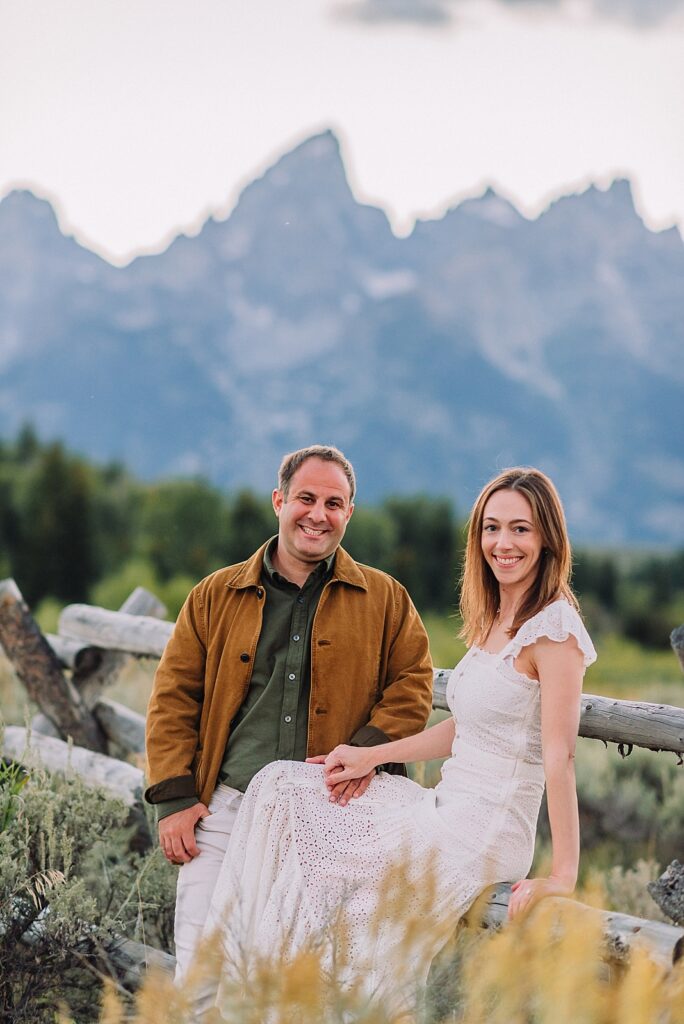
(313, 517)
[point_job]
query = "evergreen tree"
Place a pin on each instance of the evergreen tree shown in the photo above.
(183, 525)
(27, 445)
(371, 537)
(56, 548)
(251, 521)
(426, 556)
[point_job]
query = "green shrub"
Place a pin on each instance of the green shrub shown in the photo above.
(69, 883)
(630, 808)
(626, 890)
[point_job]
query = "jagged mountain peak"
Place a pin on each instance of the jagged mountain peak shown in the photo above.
(313, 169)
(602, 204)
(23, 213)
(492, 208)
(480, 340)
(25, 202)
(35, 250)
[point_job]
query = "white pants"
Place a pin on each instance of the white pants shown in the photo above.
(196, 882)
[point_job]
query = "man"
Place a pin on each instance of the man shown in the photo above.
(282, 656)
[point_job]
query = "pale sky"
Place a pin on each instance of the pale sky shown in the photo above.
(139, 117)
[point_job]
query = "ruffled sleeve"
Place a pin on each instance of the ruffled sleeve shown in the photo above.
(558, 621)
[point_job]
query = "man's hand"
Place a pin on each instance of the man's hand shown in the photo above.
(342, 792)
(177, 833)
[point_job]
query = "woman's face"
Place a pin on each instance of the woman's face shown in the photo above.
(511, 543)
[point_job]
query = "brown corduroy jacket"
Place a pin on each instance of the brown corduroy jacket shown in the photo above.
(370, 667)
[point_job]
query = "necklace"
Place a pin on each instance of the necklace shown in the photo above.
(500, 620)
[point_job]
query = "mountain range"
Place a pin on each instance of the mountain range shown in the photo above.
(481, 340)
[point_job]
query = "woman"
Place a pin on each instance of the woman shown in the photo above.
(297, 861)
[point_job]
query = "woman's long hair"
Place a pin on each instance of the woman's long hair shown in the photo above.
(479, 587)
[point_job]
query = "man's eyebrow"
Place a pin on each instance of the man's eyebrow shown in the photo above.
(304, 493)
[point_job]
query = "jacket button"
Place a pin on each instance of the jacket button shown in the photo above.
(260, 592)
(244, 656)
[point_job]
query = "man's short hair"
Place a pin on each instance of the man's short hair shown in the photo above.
(326, 452)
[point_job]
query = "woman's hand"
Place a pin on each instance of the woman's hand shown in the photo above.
(346, 763)
(528, 891)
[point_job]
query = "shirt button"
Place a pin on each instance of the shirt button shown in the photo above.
(292, 676)
(300, 600)
(244, 656)
(259, 593)
(288, 718)
(296, 637)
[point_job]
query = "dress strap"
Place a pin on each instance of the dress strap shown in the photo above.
(557, 621)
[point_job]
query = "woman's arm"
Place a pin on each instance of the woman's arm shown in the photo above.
(345, 762)
(560, 670)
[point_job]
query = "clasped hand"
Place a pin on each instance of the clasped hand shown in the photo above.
(348, 772)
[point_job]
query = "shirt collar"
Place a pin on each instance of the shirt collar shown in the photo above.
(323, 568)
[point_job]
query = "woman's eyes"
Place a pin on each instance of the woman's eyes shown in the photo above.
(490, 528)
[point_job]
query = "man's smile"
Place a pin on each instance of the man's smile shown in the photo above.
(310, 531)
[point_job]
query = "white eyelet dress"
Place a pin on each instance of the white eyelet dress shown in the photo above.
(297, 863)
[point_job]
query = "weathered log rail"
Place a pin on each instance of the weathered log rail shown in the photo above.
(622, 933)
(116, 631)
(77, 728)
(625, 722)
(129, 959)
(121, 780)
(628, 723)
(40, 672)
(94, 644)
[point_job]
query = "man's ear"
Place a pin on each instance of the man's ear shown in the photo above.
(277, 498)
(349, 513)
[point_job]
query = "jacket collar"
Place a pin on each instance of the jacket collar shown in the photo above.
(248, 574)
(349, 571)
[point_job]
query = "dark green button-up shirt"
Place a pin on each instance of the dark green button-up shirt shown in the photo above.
(272, 722)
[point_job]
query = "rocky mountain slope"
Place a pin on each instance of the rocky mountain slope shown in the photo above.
(481, 340)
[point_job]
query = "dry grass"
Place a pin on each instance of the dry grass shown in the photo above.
(15, 706)
(132, 688)
(547, 969)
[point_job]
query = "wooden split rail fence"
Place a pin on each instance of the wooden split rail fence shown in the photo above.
(66, 675)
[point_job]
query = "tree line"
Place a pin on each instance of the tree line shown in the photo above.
(72, 530)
